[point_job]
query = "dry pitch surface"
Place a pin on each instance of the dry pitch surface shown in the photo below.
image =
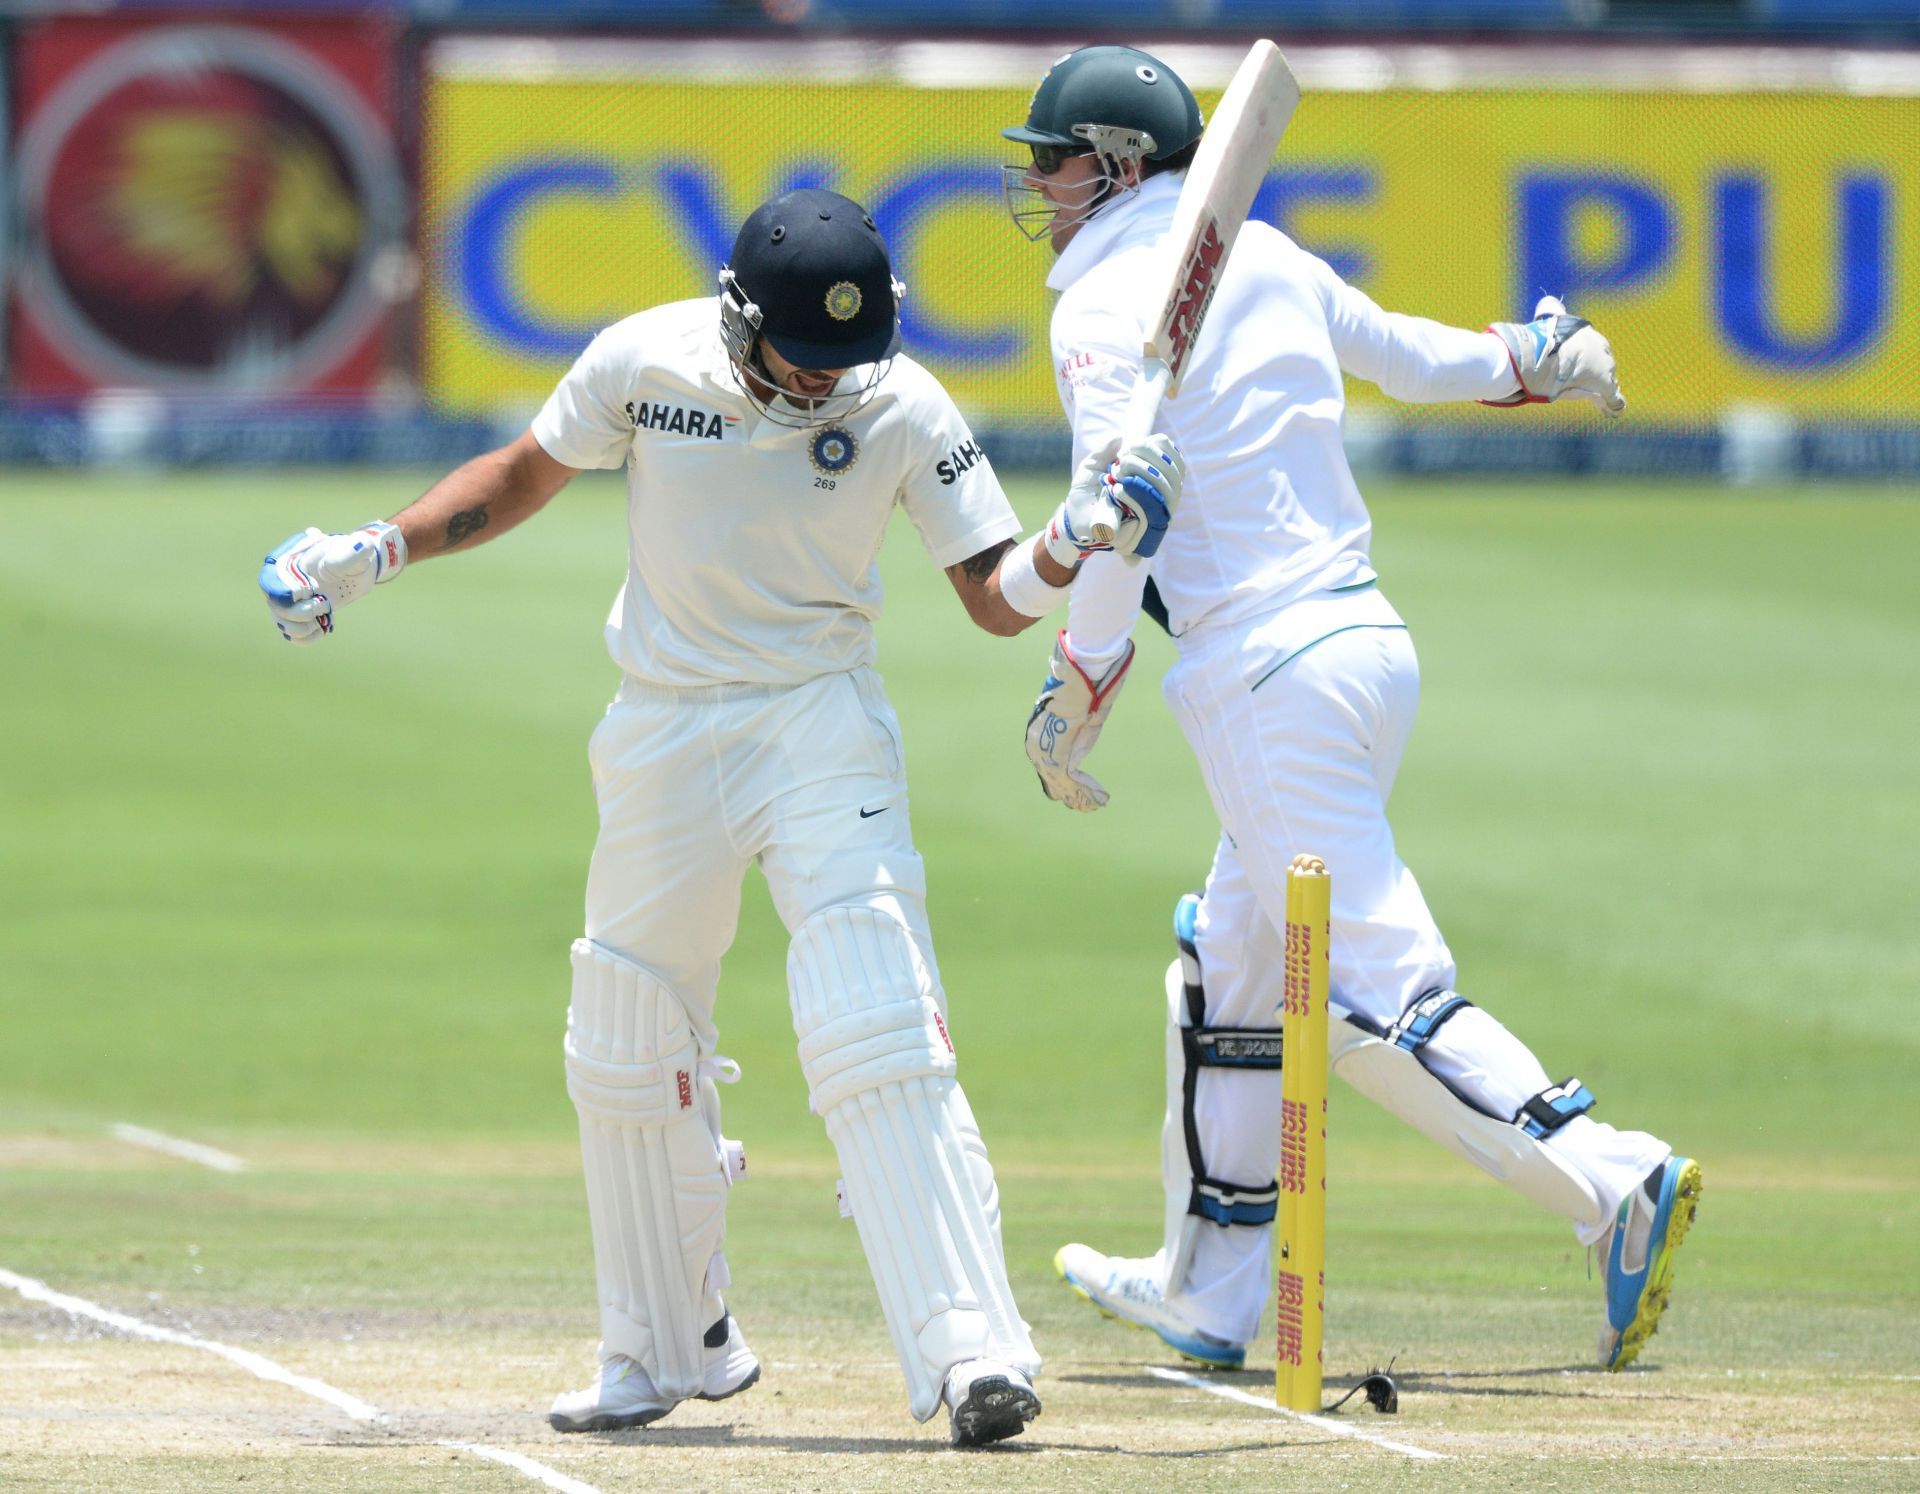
(88, 1407)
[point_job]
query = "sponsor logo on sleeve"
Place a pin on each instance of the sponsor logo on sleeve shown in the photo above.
(1079, 368)
(961, 459)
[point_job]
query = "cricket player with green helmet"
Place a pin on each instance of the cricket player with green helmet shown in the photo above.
(1296, 685)
(767, 437)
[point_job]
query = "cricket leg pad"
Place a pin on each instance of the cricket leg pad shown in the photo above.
(880, 1072)
(657, 1167)
(1196, 1198)
(1405, 1070)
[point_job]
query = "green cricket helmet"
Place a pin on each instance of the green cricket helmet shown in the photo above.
(1120, 88)
(1117, 103)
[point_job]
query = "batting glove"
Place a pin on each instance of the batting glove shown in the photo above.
(1135, 489)
(1066, 722)
(310, 575)
(1556, 355)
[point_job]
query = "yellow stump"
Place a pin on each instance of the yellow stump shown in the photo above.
(1300, 1266)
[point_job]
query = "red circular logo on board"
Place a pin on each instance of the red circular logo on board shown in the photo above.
(209, 209)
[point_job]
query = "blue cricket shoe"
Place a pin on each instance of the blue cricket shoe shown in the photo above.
(1639, 1250)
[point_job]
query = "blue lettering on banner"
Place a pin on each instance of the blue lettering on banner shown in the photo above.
(900, 213)
(1284, 193)
(1860, 273)
(478, 254)
(707, 220)
(481, 243)
(1550, 262)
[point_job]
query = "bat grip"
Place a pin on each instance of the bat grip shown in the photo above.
(1143, 408)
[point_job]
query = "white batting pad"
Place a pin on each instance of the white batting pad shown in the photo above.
(1401, 1085)
(880, 1072)
(656, 1165)
(1182, 1230)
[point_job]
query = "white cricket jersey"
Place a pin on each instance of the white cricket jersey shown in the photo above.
(751, 545)
(1270, 511)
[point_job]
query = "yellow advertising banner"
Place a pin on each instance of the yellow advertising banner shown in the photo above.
(1735, 247)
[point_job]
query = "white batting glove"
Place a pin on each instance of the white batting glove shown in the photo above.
(1556, 355)
(1135, 490)
(310, 575)
(1066, 722)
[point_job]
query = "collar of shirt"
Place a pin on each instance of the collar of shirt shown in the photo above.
(1136, 214)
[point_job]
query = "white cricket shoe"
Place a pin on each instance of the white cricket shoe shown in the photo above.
(623, 1393)
(1131, 1292)
(989, 1401)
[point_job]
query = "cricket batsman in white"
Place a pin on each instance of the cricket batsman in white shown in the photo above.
(767, 435)
(1296, 686)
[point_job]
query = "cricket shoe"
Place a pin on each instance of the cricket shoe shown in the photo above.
(1130, 1291)
(623, 1393)
(989, 1401)
(1638, 1249)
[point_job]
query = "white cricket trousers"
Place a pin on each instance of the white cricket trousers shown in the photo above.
(1298, 720)
(696, 785)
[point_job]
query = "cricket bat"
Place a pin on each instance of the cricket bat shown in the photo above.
(1227, 170)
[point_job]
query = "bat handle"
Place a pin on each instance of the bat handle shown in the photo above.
(1143, 408)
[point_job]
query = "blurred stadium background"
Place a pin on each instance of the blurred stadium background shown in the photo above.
(322, 232)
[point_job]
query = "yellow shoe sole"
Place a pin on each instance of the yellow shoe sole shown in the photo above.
(1653, 1301)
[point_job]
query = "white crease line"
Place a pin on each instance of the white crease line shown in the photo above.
(266, 1369)
(525, 1465)
(1325, 1423)
(173, 1146)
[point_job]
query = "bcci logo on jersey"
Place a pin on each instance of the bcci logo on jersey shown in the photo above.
(834, 450)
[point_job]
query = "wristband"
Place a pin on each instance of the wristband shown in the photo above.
(391, 547)
(1022, 587)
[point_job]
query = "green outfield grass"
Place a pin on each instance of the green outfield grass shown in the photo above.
(313, 906)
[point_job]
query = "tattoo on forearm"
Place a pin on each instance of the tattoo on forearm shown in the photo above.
(468, 521)
(977, 568)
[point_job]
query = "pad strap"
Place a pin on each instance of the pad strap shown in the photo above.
(1552, 1108)
(1424, 1018)
(1233, 1047)
(1229, 1203)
